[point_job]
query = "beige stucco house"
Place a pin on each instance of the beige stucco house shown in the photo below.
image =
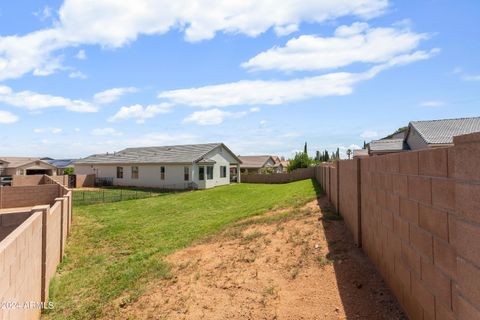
(259, 164)
(10, 166)
(199, 166)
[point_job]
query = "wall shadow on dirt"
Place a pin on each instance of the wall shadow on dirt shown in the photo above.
(363, 292)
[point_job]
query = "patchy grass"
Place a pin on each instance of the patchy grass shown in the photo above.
(117, 249)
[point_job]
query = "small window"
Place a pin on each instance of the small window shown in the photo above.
(223, 171)
(201, 173)
(134, 172)
(119, 172)
(162, 173)
(186, 173)
(209, 172)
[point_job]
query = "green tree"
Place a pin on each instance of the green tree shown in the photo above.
(349, 153)
(305, 148)
(318, 156)
(300, 160)
(68, 171)
(326, 156)
(337, 154)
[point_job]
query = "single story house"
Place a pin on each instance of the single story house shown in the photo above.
(61, 164)
(10, 166)
(258, 164)
(423, 135)
(199, 166)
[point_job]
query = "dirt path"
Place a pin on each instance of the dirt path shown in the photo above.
(298, 264)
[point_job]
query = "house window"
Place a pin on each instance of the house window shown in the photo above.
(223, 171)
(201, 173)
(209, 172)
(162, 173)
(119, 172)
(186, 173)
(135, 172)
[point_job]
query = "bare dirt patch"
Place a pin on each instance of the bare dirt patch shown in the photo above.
(289, 264)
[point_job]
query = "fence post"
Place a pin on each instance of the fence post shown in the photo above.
(338, 185)
(359, 202)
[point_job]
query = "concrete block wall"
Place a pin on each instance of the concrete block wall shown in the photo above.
(419, 219)
(34, 180)
(85, 180)
(30, 252)
(21, 270)
(296, 175)
(29, 196)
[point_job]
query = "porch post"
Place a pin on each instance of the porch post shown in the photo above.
(238, 173)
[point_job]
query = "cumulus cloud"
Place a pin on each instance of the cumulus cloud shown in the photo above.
(36, 101)
(212, 117)
(81, 55)
(116, 23)
(48, 130)
(77, 75)
(7, 117)
(466, 76)
(105, 132)
(140, 113)
(274, 92)
(112, 95)
(357, 43)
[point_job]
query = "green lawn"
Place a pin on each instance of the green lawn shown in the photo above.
(116, 249)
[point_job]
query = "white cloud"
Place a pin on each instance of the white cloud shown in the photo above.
(112, 95)
(465, 76)
(76, 129)
(77, 75)
(369, 134)
(115, 23)
(7, 117)
(432, 103)
(105, 132)
(81, 55)
(44, 13)
(36, 101)
(140, 113)
(48, 130)
(261, 92)
(212, 117)
(358, 43)
(255, 109)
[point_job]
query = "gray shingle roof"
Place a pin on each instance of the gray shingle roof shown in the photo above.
(443, 131)
(166, 154)
(388, 145)
(254, 161)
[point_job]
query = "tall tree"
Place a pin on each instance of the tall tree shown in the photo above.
(349, 153)
(337, 154)
(364, 145)
(326, 156)
(318, 157)
(305, 148)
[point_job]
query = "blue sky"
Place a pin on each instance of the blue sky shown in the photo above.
(81, 76)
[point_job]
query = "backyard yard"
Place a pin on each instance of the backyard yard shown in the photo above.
(117, 249)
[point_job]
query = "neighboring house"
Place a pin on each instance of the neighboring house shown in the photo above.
(21, 166)
(439, 133)
(360, 153)
(175, 167)
(384, 146)
(61, 164)
(424, 135)
(258, 164)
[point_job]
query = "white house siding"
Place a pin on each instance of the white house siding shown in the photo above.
(221, 158)
(149, 174)
(415, 141)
